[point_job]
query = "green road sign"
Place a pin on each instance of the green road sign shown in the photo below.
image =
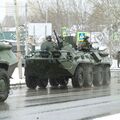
(81, 35)
(8, 35)
(11, 35)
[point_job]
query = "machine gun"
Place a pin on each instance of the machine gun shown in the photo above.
(59, 40)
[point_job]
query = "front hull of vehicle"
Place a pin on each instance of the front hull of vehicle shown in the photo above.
(45, 68)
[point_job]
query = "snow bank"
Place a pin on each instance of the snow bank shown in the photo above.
(114, 64)
(15, 77)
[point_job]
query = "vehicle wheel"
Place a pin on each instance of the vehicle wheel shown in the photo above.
(31, 82)
(54, 83)
(4, 85)
(43, 83)
(63, 82)
(78, 79)
(107, 75)
(88, 75)
(98, 76)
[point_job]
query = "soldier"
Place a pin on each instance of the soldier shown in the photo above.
(48, 45)
(118, 58)
(85, 44)
(31, 43)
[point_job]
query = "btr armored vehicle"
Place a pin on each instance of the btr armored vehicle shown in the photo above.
(8, 63)
(85, 67)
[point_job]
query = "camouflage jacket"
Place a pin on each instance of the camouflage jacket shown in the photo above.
(48, 46)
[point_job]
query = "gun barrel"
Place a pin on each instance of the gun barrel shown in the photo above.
(58, 40)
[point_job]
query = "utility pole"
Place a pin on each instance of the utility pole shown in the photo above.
(26, 29)
(46, 19)
(18, 40)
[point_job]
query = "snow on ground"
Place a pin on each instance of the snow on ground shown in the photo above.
(114, 64)
(16, 80)
(15, 77)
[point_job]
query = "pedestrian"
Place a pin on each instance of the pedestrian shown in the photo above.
(118, 58)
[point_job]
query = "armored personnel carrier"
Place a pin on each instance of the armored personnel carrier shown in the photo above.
(8, 63)
(84, 67)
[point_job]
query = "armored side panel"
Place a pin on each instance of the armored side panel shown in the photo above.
(8, 63)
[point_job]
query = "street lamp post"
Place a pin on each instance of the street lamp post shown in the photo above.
(46, 17)
(18, 40)
(46, 20)
(26, 30)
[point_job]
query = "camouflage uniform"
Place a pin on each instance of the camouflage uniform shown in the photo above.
(84, 45)
(118, 58)
(48, 45)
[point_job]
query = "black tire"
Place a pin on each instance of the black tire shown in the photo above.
(43, 83)
(78, 79)
(54, 82)
(98, 76)
(31, 82)
(107, 75)
(88, 75)
(4, 85)
(63, 82)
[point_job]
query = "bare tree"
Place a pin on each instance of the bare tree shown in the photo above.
(110, 7)
(98, 19)
(59, 12)
(111, 19)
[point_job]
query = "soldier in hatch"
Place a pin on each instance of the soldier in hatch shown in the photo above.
(49, 45)
(85, 44)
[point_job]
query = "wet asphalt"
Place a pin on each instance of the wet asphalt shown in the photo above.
(62, 103)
